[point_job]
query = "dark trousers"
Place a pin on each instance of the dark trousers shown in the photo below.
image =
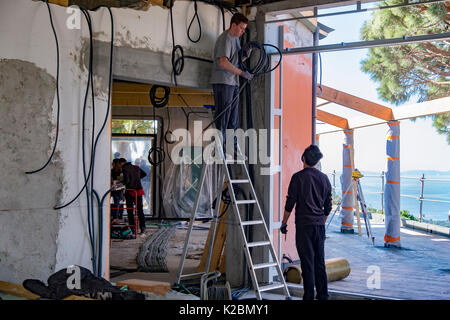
(130, 204)
(117, 208)
(310, 242)
(223, 96)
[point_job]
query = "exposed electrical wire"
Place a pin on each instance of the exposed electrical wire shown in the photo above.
(178, 62)
(159, 102)
(198, 22)
(90, 218)
(190, 108)
(156, 155)
(57, 94)
(261, 67)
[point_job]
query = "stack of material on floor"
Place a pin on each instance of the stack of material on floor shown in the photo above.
(152, 256)
(89, 286)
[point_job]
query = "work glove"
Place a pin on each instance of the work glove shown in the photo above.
(247, 50)
(283, 228)
(247, 75)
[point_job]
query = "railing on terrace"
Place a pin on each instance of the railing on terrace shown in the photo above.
(420, 197)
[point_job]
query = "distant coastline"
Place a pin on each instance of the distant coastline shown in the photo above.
(436, 188)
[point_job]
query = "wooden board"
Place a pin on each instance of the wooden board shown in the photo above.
(218, 245)
(17, 290)
(158, 287)
(355, 103)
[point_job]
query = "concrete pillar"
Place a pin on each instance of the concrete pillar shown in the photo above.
(348, 199)
(392, 189)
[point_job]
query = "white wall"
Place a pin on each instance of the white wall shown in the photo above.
(36, 240)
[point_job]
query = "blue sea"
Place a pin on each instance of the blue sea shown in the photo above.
(371, 185)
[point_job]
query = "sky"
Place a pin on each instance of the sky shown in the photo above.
(421, 147)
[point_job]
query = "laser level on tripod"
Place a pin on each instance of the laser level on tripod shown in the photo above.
(356, 176)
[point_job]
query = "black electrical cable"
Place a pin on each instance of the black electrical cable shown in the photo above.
(261, 67)
(166, 139)
(223, 18)
(320, 81)
(198, 22)
(98, 135)
(192, 111)
(57, 94)
(178, 63)
(159, 102)
(108, 107)
(89, 200)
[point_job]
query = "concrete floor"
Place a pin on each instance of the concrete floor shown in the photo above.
(419, 270)
(123, 254)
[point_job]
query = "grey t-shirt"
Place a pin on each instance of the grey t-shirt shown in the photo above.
(226, 46)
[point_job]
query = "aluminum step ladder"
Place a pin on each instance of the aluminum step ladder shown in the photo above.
(225, 176)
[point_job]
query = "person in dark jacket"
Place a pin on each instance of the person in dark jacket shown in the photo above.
(117, 208)
(310, 192)
(132, 176)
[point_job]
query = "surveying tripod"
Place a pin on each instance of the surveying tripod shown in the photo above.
(356, 175)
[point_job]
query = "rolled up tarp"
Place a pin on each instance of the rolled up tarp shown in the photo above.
(337, 269)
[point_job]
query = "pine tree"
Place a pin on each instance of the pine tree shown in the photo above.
(418, 71)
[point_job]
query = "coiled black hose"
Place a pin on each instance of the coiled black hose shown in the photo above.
(157, 102)
(261, 67)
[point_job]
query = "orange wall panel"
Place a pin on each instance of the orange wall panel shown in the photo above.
(297, 117)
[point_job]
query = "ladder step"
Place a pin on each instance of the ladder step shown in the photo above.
(249, 223)
(258, 244)
(240, 161)
(240, 181)
(264, 265)
(245, 201)
(271, 287)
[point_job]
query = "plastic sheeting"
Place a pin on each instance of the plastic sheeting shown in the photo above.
(180, 190)
(392, 188)
(348, 199)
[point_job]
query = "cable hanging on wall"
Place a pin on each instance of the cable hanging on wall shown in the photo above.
(57, 93)
(157, 102)
(262, 66)
(177, 51)
(198, 22)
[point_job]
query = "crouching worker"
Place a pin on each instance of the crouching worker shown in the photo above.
(310, 192)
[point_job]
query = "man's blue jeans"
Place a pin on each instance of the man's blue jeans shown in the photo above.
(223, 96)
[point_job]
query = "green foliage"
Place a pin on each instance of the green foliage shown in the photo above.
(336, 199)
(132, 126)
(404, 214)
(418, 70)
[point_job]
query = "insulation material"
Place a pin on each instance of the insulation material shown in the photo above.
(337, 269)
(348, 200)
(180, 190)
(392, 188)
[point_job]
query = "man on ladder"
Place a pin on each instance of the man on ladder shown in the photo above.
(310, 192)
